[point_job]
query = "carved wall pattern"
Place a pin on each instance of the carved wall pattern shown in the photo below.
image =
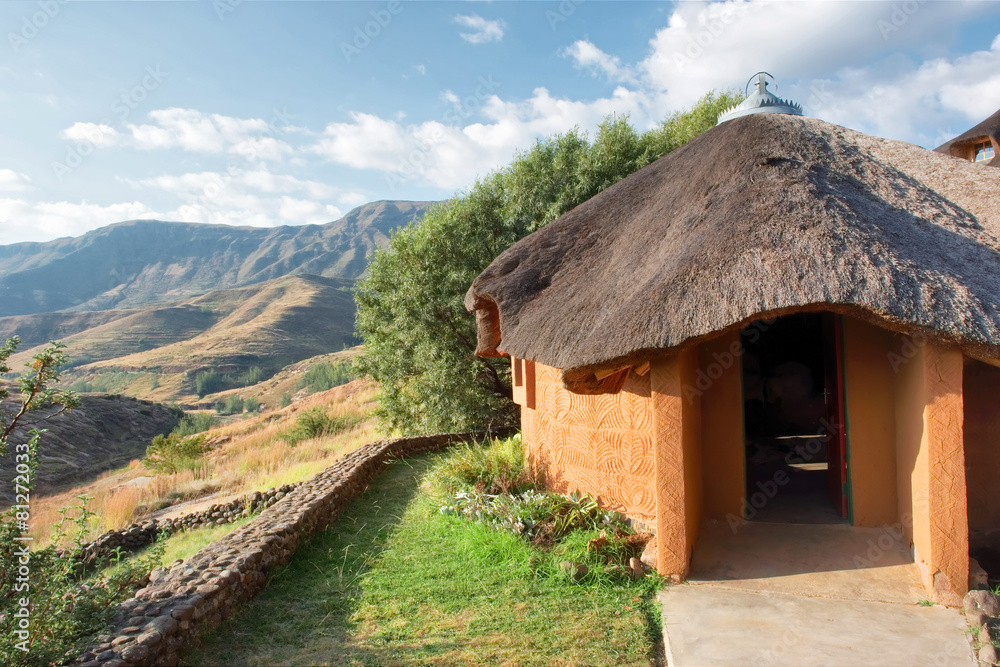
(943, 415)
(601, 445)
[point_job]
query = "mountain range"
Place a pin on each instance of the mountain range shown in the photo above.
(146, 306)
(140, 262)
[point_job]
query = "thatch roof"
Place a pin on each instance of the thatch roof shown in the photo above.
(988, 128)
(761, 215)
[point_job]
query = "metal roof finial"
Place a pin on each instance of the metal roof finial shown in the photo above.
(760, 101)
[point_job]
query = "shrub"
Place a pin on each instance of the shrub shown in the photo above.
(68, 607)
(252, 376)
(81, 386)
(286, 400)
(208, 382)
(326, 375)
(252, 404)
(172, 453)
(234, 405)
(196, 422)
(316, 423)
(498, 468)
(419, 338)
(492, 485)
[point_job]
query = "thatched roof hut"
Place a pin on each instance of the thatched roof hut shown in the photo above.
(965, 145)
(782, 305)
(759, 216)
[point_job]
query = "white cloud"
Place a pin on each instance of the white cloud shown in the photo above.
(452, 153)
(92, 133)
(483, 30)
(353, 199)
(421, 69)
(920, 104)
(195, 131)
(587, 56)
(259, 180)
(13, 181)
(21, 220)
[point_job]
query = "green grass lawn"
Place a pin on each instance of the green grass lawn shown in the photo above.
(394, 582)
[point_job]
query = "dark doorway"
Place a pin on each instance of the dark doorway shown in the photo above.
(792, 391)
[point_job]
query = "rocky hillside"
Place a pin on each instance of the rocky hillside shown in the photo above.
(139, 262)
(104, 433)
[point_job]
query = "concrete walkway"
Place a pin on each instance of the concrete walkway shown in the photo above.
(783, 594)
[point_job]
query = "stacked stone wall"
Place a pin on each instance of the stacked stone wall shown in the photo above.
(199, 593)
(139, 535)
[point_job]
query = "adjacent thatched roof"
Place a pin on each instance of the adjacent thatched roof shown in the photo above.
(988, 128)
(761, 215)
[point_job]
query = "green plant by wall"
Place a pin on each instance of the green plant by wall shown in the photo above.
(69, 606)
(49, 606)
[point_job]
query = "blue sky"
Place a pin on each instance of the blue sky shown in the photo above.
(269, 113)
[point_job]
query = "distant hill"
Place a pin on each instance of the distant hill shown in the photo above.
(140, 262)
(156, 352)
(105, 432)
(288, 381)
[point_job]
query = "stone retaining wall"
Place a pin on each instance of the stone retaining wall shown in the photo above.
(139, 535)
(196, 595)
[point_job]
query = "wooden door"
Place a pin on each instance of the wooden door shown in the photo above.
(834, 424)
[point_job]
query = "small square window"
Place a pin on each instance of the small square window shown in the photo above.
(982, 151)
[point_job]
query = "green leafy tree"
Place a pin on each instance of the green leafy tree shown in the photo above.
(419, 339)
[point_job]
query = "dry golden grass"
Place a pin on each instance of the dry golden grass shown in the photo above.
(247, 456)
(119, 507)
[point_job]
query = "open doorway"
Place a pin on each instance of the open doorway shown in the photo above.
(794, 442)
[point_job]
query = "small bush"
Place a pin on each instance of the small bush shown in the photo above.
(196, 422)
(234, 404)
(498, 468)
(316, 423)
(325, 376)
(286, 400)
(81, 386)
(68, 607)
(171, 453)
(252, 404)
(208, 382)
(492, 485)
(252, 376)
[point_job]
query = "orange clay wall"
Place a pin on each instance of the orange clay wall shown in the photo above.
(871, 426)
(982, 444)
(677, 462)
(930, 465)
(601, 445)
(719, 384)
